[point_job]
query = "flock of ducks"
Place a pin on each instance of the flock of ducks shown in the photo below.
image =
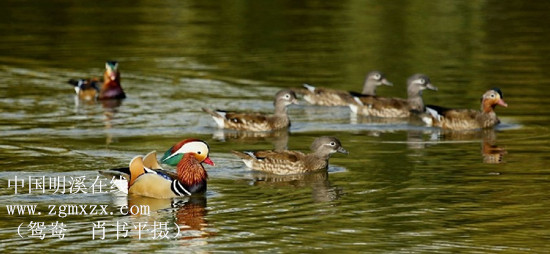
(146, 177)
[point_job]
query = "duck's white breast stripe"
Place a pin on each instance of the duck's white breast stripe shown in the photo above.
(178, 189)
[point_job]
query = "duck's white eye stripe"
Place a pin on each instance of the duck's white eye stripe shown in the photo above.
(192, 147)
(171, 155)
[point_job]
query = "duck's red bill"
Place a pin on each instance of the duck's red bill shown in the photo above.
(502, 103)
(208, 161)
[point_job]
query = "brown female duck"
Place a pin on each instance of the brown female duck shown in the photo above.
(91, 89)
(394, 107)
(293, 162)
(467, 119)
(332, 97)
(257, 121)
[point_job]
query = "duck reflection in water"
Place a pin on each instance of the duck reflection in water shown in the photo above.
(415, 139)
(321, 188)
(279, 138)
(110, 109)
(109, 115)
(389, 123)
(490, 151)
(109, 105)
(188, 213)
(492, 154)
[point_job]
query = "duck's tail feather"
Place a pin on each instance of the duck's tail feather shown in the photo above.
(244, 156)
(303, 90)
(73, 82)
(217, 115)
(355, 94)
(119, 177)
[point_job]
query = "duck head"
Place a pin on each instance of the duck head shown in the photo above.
(374, 79)
(378, 78)
(111, 88)
(491, 99)
(196, 147)
(285, 97)
(327, 145)
(111, 71)
(417, 83)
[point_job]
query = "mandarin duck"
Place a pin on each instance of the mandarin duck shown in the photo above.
(91, 89)
(293, 162)
(145, 176)
(257, 121)
(467, 119)
(332, 97)
(394, 107)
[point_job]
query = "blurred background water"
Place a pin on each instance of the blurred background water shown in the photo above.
(402, 188)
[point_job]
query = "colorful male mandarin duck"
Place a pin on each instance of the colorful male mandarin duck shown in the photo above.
(145, 176)
(90, 89)
(293, 162)
(394, 107)
(467, 119)
(332, 97)
(257, 121)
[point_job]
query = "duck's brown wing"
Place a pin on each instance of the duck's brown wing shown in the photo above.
(327, 91)
(245, 118)
(459, 114)
(378, 101)
(384, 103)
(454, 119)
(364, 99)
(326, 96)
(281, 162)
(290, 156)
(382, 106)
(254, 121)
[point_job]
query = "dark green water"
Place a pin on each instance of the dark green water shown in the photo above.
(403, 188)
